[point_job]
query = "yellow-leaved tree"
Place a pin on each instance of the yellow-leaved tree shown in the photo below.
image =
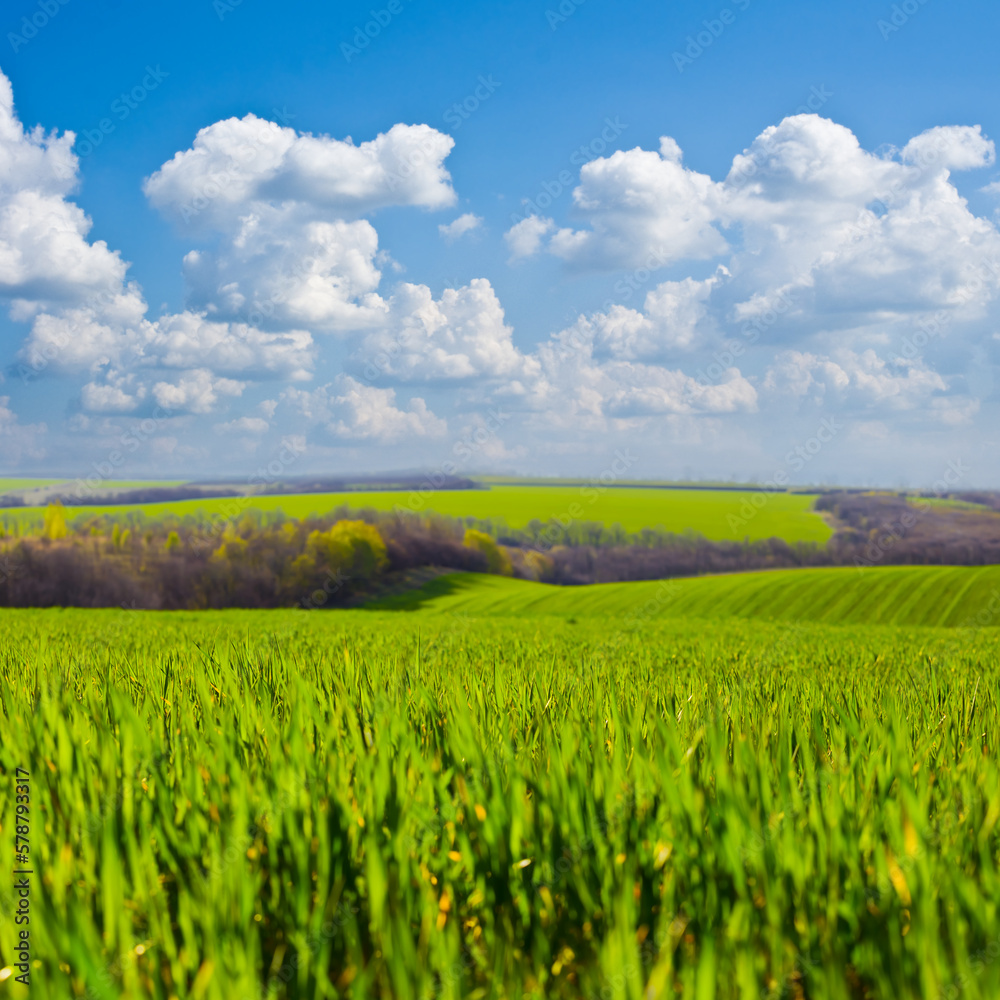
(497, 560)
(55, 521)
(354, 548)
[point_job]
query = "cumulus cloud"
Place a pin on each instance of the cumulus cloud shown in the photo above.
(640, 204)
(189, 340)
(954, 147)
(817, 228)
(116, 395)
(570, 387)
(524, 239)
(850, 237)
(77, 342)
(45, 258)
(353, 411)
(461, 336)
(674, 318)
(294, 250)
(279, 270)
(195, 391)
(238, 162)
(861, 380)
(791, 280)
(466, 223)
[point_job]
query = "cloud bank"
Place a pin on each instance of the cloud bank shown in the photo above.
(814, 277)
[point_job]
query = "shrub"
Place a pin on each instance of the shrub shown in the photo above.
(497, 560)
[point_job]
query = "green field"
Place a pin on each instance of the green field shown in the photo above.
(784, 515)
(10, 485)
(948, 596)
(370, 804)
(7, 485)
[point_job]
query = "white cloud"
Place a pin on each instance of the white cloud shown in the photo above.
(189, 340)
(280, 269)
(570, 388)
(195, 391)
(461, 336)
(466, 223)
(45, 258)
(856, 380)
(111, 396)
(77, 342)
(821, 232)
(851, 238)
(243, 425)
(955, 147)
(675, 317)
(294, 251)
(238, 162)
(641, 206)
(353, 411)
(525, 237)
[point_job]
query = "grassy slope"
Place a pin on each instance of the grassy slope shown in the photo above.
(706, 511)
(895, 595)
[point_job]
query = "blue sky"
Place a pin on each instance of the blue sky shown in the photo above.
(540, 349)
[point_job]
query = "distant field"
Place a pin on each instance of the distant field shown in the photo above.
(717, 514)
(9, 485)
(943, 596)
(6, 485)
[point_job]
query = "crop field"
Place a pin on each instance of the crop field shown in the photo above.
(6, 485)
(374, 804)
(953, 596)
(717, 514)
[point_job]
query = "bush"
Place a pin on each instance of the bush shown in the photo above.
(497, 560)
(353, 548)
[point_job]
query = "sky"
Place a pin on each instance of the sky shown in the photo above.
(749, 241)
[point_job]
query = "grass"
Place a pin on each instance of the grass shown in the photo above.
(944, 596)
(369, 804)
(717, 514)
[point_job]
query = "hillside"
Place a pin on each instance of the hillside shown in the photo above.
(895, 595)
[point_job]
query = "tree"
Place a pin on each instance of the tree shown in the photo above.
(497, 560)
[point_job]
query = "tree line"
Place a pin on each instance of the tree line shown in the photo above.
(258, 559)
